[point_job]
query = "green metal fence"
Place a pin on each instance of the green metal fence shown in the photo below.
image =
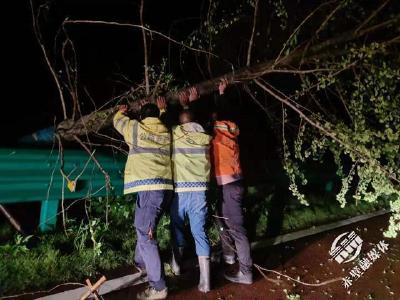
(28, 175)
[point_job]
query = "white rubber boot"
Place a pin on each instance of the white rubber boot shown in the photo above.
(204, 282)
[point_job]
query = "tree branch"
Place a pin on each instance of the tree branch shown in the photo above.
(146, 57)
(286, 100)
(252, 33)
(93, 22)
(97, 120)
(41, 45)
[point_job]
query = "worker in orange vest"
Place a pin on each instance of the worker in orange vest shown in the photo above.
(228, 174)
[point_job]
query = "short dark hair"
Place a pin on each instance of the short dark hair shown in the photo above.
(149, 110)
(186, 116)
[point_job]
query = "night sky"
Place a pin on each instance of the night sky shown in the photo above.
(104, 53)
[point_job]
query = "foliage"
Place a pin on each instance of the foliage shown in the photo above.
(351, 101)
(160, 82)
(89, 246)
(355, 102)
(369, 137)
(19, 245)
(43, 260)
(350, 105)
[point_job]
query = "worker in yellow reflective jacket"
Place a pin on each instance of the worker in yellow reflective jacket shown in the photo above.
(147, 173)
(191, 170)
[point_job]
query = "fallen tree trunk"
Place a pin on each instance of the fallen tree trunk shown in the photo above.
(97, 120)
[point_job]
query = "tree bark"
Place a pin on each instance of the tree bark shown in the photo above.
(100, 119)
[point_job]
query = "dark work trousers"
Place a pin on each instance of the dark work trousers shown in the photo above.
(149, 208)
(233, 234)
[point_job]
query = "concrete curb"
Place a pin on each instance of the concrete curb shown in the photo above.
(314, 230)
(107, 287)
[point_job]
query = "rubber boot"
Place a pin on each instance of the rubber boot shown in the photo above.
(229, 259)
(240, 277)
(204, 282)
(176, 261)
(152, 294)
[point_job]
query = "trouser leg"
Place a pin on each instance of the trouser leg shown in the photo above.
(149, 206)
(233, 219)
(197, 212)
(177, 213)
(227, 242)
(138, 258)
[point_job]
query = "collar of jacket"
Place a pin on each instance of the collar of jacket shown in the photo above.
(192, 127)
(226, 128)
(151, 120)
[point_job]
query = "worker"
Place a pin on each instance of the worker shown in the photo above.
(191, 170)
(228, 175)
(148, 173)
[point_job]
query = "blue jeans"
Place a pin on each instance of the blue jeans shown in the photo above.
(192, 205)
(149, 208)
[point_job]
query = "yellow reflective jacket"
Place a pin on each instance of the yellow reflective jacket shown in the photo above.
(148, 166)
(190, 158)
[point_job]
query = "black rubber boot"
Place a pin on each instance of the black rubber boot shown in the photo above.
(176, 261)
(240, 277)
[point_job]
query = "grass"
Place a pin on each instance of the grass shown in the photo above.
(89, 247)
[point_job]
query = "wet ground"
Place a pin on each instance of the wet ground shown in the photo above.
(307, 260)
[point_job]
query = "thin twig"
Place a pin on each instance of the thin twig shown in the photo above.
(72, 204)
(107, 177)
(11, 219)
(374, 13)
(332, 135)
(298, 28)
(42, 47)
(139, 27)
(299, 281)
(323, 24)
(44, 291)
(64, 177)
(146, 57)
(252, 33)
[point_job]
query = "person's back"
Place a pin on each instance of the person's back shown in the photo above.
(190, 157)
(225, 152)
(148, 166)
(191, 169)
(228, 174)
(147, 172)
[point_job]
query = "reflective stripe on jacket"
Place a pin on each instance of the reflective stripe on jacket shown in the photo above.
(225, 152)
(148, 166)
(190, 158)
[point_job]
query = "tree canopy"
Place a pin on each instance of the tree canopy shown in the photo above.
(333, 68)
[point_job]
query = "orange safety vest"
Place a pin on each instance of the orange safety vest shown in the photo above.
(225, 152)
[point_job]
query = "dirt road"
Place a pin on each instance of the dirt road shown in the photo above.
(309, 261)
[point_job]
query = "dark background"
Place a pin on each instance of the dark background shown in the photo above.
(104, 54)
(32, 101)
